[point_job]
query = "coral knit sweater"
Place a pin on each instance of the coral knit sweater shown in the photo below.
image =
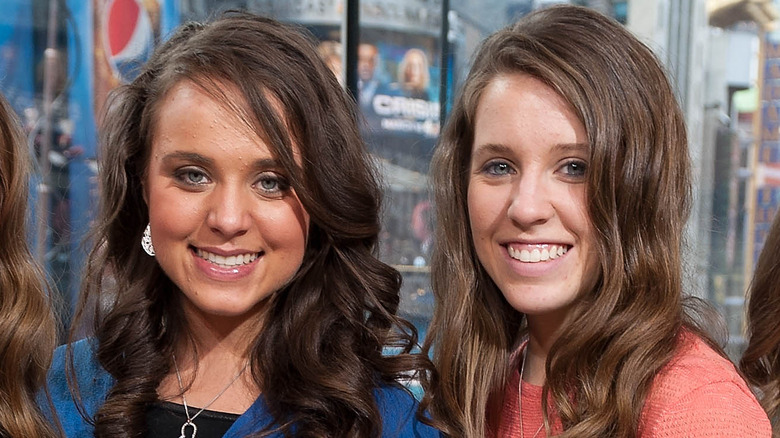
(697, 394)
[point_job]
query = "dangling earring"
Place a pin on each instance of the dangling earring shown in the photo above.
(146, 241)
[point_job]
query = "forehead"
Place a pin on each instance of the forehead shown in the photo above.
(221, 98)
(189, 118)
(415, 56)
(520, 92)
(221, 103)
(520, 110)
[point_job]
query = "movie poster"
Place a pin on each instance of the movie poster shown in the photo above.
(398, 92)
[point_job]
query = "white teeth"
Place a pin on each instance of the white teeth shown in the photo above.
(230, 261)
(537, 255)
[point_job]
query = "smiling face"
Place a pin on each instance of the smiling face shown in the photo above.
(526, 196)
(226, 227)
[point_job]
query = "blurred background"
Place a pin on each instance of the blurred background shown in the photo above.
(403, 60)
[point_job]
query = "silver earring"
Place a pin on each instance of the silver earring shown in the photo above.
(146, 241)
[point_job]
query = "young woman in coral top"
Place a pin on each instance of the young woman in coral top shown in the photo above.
(562, 185)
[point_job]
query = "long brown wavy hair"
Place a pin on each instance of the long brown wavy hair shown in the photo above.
(760, 362)
(319, 356)
(618, 334)
(27, 328)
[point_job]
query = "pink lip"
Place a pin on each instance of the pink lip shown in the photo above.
(221, 273)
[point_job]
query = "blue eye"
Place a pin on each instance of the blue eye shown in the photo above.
(192, 176)
(195, 177)
(575, 168)
(498, 168)
(271, 183)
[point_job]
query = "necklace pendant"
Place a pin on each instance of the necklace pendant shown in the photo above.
(184, 429)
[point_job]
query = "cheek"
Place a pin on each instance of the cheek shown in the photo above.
(592, 259)
(573, 210)
(286, 226)
(172, 214)
(580, 223)
(473, 209)
(483, 206)
(481, 215)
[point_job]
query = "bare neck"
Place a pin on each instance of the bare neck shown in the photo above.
(209, 365)
(543, 331)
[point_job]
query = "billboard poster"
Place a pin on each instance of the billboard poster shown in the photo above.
(766, 183)
(398, 92)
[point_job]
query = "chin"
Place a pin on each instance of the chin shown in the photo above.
(220, 310)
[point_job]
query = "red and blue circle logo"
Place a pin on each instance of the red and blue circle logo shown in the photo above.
(128, 37)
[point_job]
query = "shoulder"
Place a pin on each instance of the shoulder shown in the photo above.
(699, 393)
(93, 384)
(696, 366)
(399, 414)
(91, 378)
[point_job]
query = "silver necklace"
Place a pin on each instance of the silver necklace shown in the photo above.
(520, 395)
(189, 422)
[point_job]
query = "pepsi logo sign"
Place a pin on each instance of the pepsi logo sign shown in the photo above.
(128, 37)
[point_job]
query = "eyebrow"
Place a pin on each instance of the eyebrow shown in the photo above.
(263, 163)
(499, 148)
(187, 156)
(573, 147)
(495, 148)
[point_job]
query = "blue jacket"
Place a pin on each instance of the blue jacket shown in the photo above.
(396, 406)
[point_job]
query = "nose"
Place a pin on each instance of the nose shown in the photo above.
(229, 212)
(531, 202)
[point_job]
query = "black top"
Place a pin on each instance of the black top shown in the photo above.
(165, 420)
